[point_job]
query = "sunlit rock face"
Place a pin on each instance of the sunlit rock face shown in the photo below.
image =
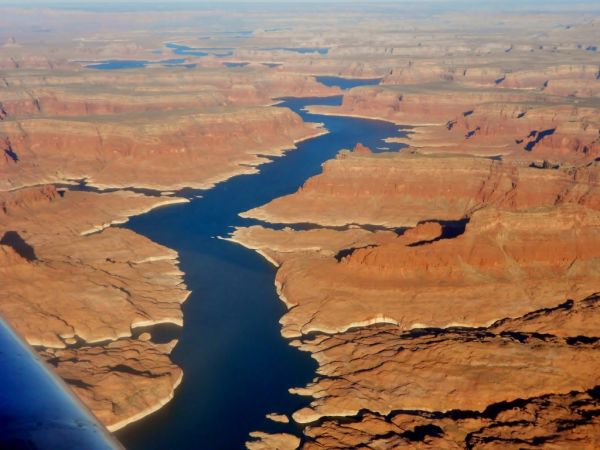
(421, 335)
(76, 290)
(389, 187)
(208, 148)
(73, 285)
(447, 292)
(502, 159)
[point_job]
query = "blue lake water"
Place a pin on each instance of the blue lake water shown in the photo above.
(235, 64)
(116, 64)
(237, 367)
(347, 83)
(185, 50)
(320, 50)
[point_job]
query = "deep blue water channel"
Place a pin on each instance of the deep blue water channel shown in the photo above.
(237, 367)
(347, 83)
(116, 64)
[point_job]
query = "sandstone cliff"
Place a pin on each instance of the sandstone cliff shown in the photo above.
(476, 328)
(77, 291)
(171, 151)
(389, 188)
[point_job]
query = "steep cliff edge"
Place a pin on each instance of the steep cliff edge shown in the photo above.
(514, 124)
(390, 189)
(474, 328)
(77, 290)
(167, 151)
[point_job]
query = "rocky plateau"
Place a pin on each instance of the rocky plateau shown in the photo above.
(448, 292)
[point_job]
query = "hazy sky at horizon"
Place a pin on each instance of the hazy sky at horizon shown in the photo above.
(98, 5)
(199, 2)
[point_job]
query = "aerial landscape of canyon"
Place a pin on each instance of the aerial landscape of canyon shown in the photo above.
(282, 226)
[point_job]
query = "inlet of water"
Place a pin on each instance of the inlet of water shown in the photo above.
(237, 367)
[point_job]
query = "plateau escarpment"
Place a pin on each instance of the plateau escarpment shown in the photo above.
(164, 152)
(73, 285)
(447, 293)
(189, 127)
(76, 290)
(77, 92)
(497, 268)
(577, 79)
(160, 130)
(438, 336)
(509, 124)
(389, 188)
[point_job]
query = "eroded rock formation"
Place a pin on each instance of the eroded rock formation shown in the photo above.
(151, 154)
(121, 381)
(389, 188)
(76, 290)
(474, 329)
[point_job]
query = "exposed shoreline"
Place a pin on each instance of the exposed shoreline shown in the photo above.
(319, 130)
(151, 409)
(315, 110)
(168, 201)
(161, 202)
(257, 250)
(244, 168)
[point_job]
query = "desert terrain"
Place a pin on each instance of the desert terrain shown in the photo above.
(448, 291)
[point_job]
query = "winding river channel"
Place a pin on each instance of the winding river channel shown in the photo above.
(237, 367)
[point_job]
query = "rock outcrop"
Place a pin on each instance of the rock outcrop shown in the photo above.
(551, 421)
(122, 381)
(474, 328)
(448, 293)
(76, 290)
(278, 441)
(442, 371)
(389, 188)
(519, 125)
(499, 267)
(148, 154)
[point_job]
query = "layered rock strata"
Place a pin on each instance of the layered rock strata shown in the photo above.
(76, 290)
(389, 188)
(509, 124)
(164, 152)
(121, 381)
(491, 241)
(473, 328)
